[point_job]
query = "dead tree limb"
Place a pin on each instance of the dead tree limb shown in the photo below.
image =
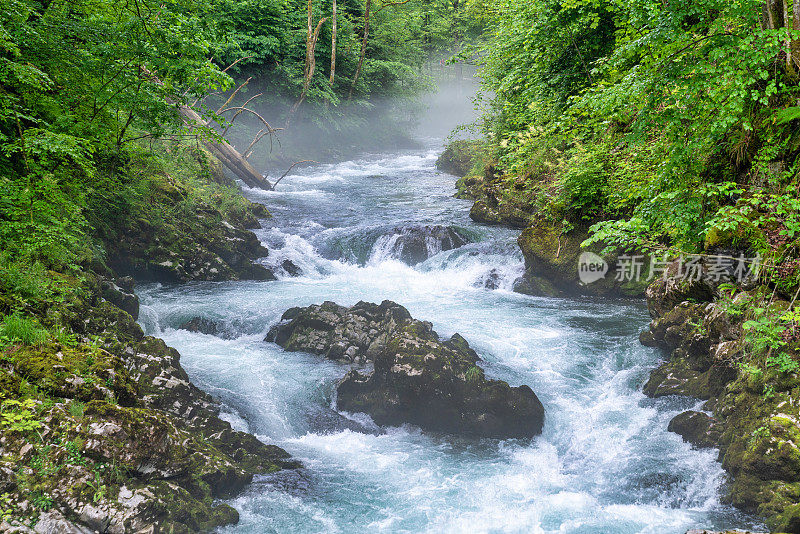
(290, 170)
(240, 109)
(311, 60)
(223, 150)
(233, 95)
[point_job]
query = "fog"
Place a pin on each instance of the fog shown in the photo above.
(335, 133)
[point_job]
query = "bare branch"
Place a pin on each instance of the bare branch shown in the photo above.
(235, 62)
(233, 95)
(290, 170)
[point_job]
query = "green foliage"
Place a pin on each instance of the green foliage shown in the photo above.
(473, 374)
(269, 37)
(19, 329)
(19, 415)
(647, 117)
(76, 409)
(41, 501)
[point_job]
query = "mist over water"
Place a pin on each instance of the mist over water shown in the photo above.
(336, 133)
(605, 462)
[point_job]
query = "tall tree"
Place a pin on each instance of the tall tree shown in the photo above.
(363, 48)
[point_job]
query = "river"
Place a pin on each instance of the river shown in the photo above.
(605, 462)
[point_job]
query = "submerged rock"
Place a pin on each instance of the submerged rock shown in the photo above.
(201, 325)
(416, 378)
(415, 244)
(490, 280)
(291, 268)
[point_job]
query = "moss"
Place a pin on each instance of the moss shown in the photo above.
(552, 253)
(83, 372)
(460, 157)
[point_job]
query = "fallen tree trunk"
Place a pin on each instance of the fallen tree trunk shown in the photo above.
(228, 155)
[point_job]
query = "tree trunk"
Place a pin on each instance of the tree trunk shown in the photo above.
(223, 150)
(333, 44)
(228, 155)
(363, 49)
(311, 60)
(795, 43)
(787, 21)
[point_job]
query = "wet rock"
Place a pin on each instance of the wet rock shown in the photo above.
(200, 246)
(552, 259)
(416, 378)
(201, 325)
(415, 244)
(755, 410)
(535, 286)
(356, 334)
(120, 293)
(490, 280)
(290, 268)
(489, 210)
(696, 428)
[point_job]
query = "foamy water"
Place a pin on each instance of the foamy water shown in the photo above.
(605, 462)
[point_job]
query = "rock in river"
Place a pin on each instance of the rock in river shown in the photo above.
(413, 244)
(417, 378)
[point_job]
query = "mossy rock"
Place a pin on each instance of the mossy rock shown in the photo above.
(417, 378)
(81, 372)
(553, 255)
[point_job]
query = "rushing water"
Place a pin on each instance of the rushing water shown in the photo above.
(605, 462)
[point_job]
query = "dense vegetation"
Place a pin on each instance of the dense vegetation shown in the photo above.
(88, 86)
(639, 125)
(661, 127)
(667, 125)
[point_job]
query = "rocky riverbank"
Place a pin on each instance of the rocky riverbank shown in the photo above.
(101, 429)
(730, 345)
(752, 408)
(551, 246)
(416, 377)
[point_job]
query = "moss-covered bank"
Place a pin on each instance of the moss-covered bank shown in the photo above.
(100, 427)
(751, 391)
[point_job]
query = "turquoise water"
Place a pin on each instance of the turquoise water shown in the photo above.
(605, 462)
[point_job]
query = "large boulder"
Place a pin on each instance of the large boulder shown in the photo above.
(417, 378)
(553, 258)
